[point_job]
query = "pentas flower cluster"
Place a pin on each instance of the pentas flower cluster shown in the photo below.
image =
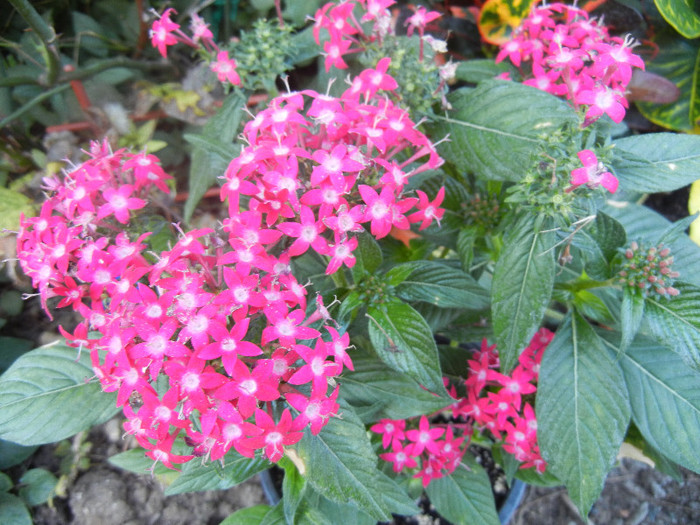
(224, 319)
(188, 313)
(347, 34)
(316, 177)
(493, 402)
(559, 49)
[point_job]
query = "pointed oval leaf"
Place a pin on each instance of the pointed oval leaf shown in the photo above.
(47, 395)
(199, 477)
(341, 464)
(676, 322)
(404, 341)
(521, 289)
(464, 497)
(441, 285)
(665, 400)
(499, 116)
(582, 410)
(394, 395)
(656, 162)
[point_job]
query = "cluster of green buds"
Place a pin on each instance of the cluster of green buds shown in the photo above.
(263, 54)
(483, 211)
(648, 269)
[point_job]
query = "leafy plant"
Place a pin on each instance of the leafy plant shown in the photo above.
(508, 220)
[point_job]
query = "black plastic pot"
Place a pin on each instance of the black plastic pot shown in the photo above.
(505, 513)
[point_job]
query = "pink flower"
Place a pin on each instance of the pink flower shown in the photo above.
(593, 173)
(225, 68)
(161, 32)
(119, 202)
(420, 19)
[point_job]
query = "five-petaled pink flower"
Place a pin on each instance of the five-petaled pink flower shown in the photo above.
(225, 68)
(593, 173)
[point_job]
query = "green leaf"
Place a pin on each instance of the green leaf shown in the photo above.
(38, 486)
(389, 393)
(213, 149)
(656, 162)
(665, 400)
(676, 322)
(643, 223)
(480, 69)
(681, 15)
(582, 410)
(466, 238)
(599, 243)
(441, 285)
(5, 482)
(13, 511)
(293, 489)
(631, 315)
(198, 477)
(678, 60)
(495, 117)
(12, 454)
(304, 48)
(464, 497)
(404, 341)
(521, 288)
(368, 256)
(85, 29)
(396, 497)
(249, 516)
(341, 465)
(47, 395)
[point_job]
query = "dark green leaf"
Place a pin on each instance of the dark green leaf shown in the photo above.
(198, 477)
(396, 497)
(86, 28)
(465, 247)
(657, 161)
(681, 15)
(13, 510)
(599, 242)
(341, 465)
(676, 322)
(464, 497)
(37, 487)
(521, 288)
(392, 395)
(404, 341)
(214, 149)
(582, 410)
(495, 117)
(250, 516)
(293, 489)
(480, 69)
(304, 46)
(47, 395)
(5, 482)
(665, 400)
(441, 285)
(368, 256)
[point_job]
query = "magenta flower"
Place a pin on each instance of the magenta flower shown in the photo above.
(225, 68)
(161, 32)
(593, 173)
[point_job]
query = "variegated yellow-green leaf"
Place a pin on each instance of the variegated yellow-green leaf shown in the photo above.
(678, 61)
(498, 18)
(681, 15)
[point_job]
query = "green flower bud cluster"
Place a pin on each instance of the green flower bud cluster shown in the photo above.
(483, 211)
(263, 54)
(648, 269)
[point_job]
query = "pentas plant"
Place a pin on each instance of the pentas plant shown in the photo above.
(394, 278)
(493, 403)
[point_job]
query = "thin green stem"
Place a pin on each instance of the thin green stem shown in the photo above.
(29, 105)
